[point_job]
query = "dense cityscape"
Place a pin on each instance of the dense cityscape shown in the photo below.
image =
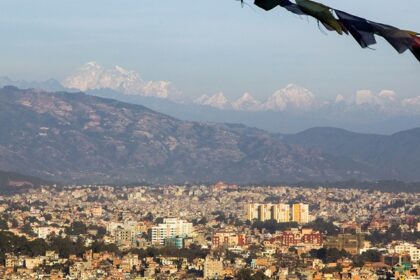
(216, 231)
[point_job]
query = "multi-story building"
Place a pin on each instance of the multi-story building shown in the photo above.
(351, 243)
(410, 249)
(124, 236)
(228, 238)
(300, 213)
(282, 213)
(252, 211)
(264, 212)
(213, 268)
(170, 227)
(307, 237)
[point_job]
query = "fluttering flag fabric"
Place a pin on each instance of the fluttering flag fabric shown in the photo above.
(400, 40)
(362, 30)
(267, 4)
(358, 27)
(415, 48)
(322, 13)
(291, 7)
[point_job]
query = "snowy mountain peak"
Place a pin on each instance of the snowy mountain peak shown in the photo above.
(246, 103)
(90, 65)
(93, 76)
(218, 100)
(121, 70)
(291, 96)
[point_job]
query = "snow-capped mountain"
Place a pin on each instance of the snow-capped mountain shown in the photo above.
(246, 103)
(290, 97)
(93, 76)
(218, 100)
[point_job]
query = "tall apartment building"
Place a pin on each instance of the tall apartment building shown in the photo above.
(300, 213)
(282, 213)
(264, 212)
(170, 227)
(279, 212)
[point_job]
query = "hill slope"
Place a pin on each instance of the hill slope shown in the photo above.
(76, 137)
(396, 156)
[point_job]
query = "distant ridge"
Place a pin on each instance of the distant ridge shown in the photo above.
(74, 137)
(395, 156)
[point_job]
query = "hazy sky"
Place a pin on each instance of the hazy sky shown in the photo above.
(206, 46)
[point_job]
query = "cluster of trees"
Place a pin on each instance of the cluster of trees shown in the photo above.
(333, 255)
(328, 255)
(76, 228)
(272, 225)
(247, 274)
(368, 256)
(325, 227)
(393, 233)
(190, 253)
(11, 243)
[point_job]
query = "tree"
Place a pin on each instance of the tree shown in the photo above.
(273, 226)
(48, 217)
(246, 274)
(149, 217)
(76, 228)
(328, 255)
(4, 225)
(28, 229)
(371, 256)
(324, 227)
(65, 247)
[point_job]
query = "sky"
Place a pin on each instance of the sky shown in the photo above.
(204, 47)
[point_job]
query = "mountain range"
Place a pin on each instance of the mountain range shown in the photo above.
(75, 137)
(290, 109)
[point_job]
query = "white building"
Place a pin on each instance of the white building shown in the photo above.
(44, 232)
(267, 211)
(410, 249)
(170, 227)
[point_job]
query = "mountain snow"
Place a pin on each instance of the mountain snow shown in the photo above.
(246, 103)
(290, 97)
(218, 100)
(93, 76)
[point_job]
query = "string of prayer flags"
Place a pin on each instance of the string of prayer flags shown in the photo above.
(362, 30)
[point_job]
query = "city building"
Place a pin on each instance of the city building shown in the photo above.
(228, 238)
(264, 212)
(171, 227)
(300, 213)
(351, 243)
(282, 213)
(213, 268)
(410, 249)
